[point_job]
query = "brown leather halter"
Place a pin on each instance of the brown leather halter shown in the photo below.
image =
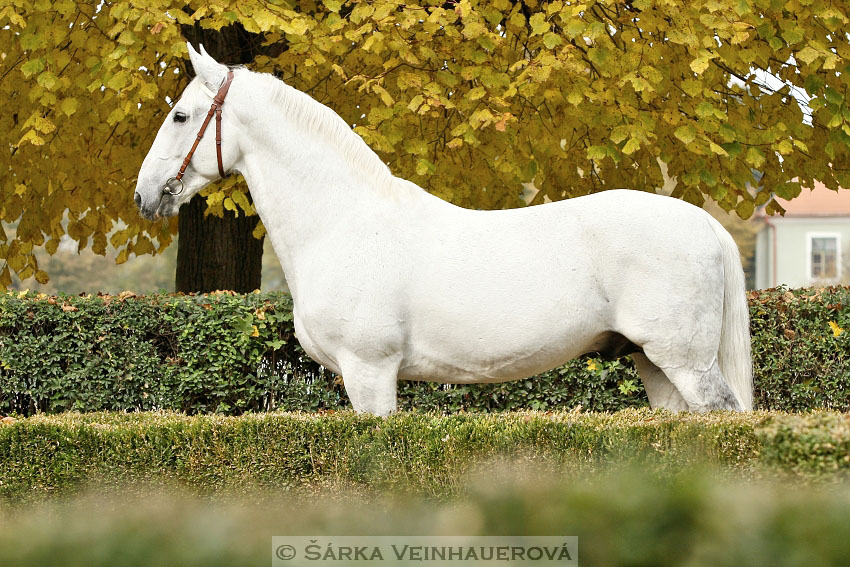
(214, 109)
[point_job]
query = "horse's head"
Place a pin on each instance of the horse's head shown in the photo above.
(161, 188)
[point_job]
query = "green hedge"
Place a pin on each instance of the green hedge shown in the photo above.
(48, 455)
(229, 354)
(801, 348)
(638, 487)
(624, 518)
(223, 353)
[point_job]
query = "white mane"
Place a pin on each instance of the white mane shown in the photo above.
(319, 118)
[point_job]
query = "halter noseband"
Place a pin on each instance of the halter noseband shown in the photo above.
(214, 109)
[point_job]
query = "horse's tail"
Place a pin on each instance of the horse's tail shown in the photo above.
(734, 355)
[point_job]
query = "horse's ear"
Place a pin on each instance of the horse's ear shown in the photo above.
(208, 69)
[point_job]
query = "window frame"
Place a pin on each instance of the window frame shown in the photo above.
(810, 236)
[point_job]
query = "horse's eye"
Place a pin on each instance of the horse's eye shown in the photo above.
(179, 117)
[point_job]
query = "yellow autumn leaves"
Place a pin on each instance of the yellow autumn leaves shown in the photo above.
(469, 99)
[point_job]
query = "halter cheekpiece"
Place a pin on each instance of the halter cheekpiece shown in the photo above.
(170, 186)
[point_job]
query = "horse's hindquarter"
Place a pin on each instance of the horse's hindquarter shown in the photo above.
(505, 294)
(662, 267)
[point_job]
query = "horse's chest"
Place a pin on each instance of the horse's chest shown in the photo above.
(310, 337)
(369, 328)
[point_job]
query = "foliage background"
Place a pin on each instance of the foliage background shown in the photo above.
(73, 272)
(229, 353)
(469, 99)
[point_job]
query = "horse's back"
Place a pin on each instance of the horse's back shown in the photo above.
(589, 245)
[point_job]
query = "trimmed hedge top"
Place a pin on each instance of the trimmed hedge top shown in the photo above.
(229, 353)
(51, 454)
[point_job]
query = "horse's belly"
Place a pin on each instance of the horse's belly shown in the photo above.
(473, 359)
(510, 323)
(447, 370)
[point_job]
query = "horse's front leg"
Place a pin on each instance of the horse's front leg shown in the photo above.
(371, 383)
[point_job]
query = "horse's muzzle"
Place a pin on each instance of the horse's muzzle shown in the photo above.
(149, 211)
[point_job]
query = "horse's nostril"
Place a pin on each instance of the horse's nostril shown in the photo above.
(138, 199)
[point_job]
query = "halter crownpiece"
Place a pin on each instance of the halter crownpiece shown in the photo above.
(174, 185)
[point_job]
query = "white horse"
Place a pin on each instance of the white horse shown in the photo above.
(389, 282)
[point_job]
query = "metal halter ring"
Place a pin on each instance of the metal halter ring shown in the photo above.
(169, 190)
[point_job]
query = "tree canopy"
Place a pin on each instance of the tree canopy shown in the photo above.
(468, 99)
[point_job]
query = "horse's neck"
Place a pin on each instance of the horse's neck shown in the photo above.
(305, 188)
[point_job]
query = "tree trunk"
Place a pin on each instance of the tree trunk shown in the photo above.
(217, 253)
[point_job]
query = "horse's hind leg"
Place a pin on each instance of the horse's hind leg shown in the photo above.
(700, 390)
(680, 337)
(661, 392)
(704, 390)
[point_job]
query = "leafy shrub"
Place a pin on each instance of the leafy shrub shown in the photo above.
(223, 353)
(228, 353)
(801, 348)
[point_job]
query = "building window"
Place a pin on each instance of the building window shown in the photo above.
(824, 257)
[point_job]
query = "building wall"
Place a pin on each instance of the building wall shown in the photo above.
(793, 252)
(764, 258)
